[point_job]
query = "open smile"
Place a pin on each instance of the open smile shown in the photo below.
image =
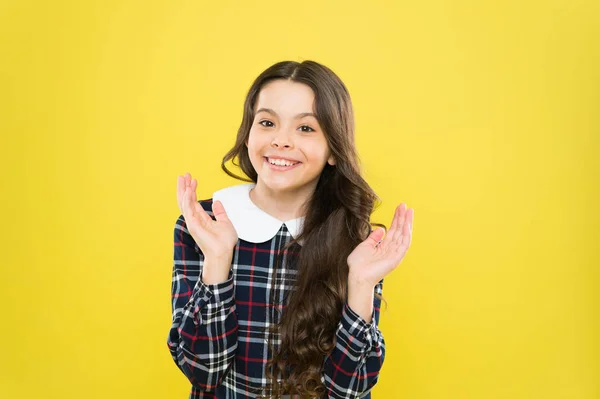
(283, 166)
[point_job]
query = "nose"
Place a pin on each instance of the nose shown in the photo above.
(281, 138)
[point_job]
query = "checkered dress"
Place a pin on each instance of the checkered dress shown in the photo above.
(218, 337)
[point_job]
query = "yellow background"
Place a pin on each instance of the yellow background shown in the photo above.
(482, 116)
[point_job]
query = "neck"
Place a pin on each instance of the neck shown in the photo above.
(283, 205)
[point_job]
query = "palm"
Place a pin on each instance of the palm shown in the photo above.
(373, 259)
(216, 237)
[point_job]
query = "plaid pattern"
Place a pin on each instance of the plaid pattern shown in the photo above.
(218, 337)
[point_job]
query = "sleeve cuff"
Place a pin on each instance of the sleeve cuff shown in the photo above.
(352, 321)
(219, 292)
(211, 300)
(357, 327)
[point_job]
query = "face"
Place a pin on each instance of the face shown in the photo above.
(286, 133)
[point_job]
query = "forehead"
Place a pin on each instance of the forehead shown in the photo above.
(286, 96)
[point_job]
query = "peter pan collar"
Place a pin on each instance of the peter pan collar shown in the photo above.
(251, 223)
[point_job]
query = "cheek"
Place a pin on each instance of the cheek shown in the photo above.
(318, 150)
(258, 139)
(255, 147)
(251, 142)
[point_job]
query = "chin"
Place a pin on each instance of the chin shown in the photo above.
(276, 185)
(281, 184)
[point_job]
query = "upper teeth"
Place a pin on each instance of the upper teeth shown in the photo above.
(281, 162)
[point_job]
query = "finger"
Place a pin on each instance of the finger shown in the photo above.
(186, 179)
(219, 211)
(395, 224)
(407, 237)
(179, 191)
(188, 203)
(194, 185)
(184, 203)
(201, 212)
(399, 232)
(388, 234)
(395, 219)
(375, 236)
(195, 206)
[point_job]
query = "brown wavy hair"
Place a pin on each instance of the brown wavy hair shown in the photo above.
(336, 221)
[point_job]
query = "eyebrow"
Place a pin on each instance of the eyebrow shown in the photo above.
(298, 116)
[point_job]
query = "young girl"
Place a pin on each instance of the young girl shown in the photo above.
(277, 282)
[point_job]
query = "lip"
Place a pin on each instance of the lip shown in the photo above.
(280, 168)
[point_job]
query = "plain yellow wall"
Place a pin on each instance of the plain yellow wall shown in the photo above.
(482, 116)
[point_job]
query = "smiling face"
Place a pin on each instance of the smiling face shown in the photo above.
(286, 133)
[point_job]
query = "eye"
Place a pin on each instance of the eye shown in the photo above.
(261, 123)
(311, 129)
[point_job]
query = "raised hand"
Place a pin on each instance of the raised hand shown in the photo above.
(217, 238)
(373, 259)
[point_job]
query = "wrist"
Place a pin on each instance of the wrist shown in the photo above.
(360, 298)
(215, 270)
(359, 281)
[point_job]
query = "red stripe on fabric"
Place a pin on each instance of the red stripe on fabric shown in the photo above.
(339, 368)
(251, 359)
(195, 381)
(187, 293)
(262, 250)
(336, 365)
(203, 338)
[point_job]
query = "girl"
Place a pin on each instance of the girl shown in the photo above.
(277, 282)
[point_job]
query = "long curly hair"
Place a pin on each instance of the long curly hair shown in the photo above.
(336, 221)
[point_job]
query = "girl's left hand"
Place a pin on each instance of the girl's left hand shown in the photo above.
(372, 260)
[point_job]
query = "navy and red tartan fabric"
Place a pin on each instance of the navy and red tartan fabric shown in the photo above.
(218, 337)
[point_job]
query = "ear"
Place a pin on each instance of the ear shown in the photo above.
(331, 160)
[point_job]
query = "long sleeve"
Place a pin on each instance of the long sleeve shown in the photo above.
(352, 368)
(203, 337)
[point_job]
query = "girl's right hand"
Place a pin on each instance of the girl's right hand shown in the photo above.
(216, 239)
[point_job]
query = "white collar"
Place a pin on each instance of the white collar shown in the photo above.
(251, 223)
